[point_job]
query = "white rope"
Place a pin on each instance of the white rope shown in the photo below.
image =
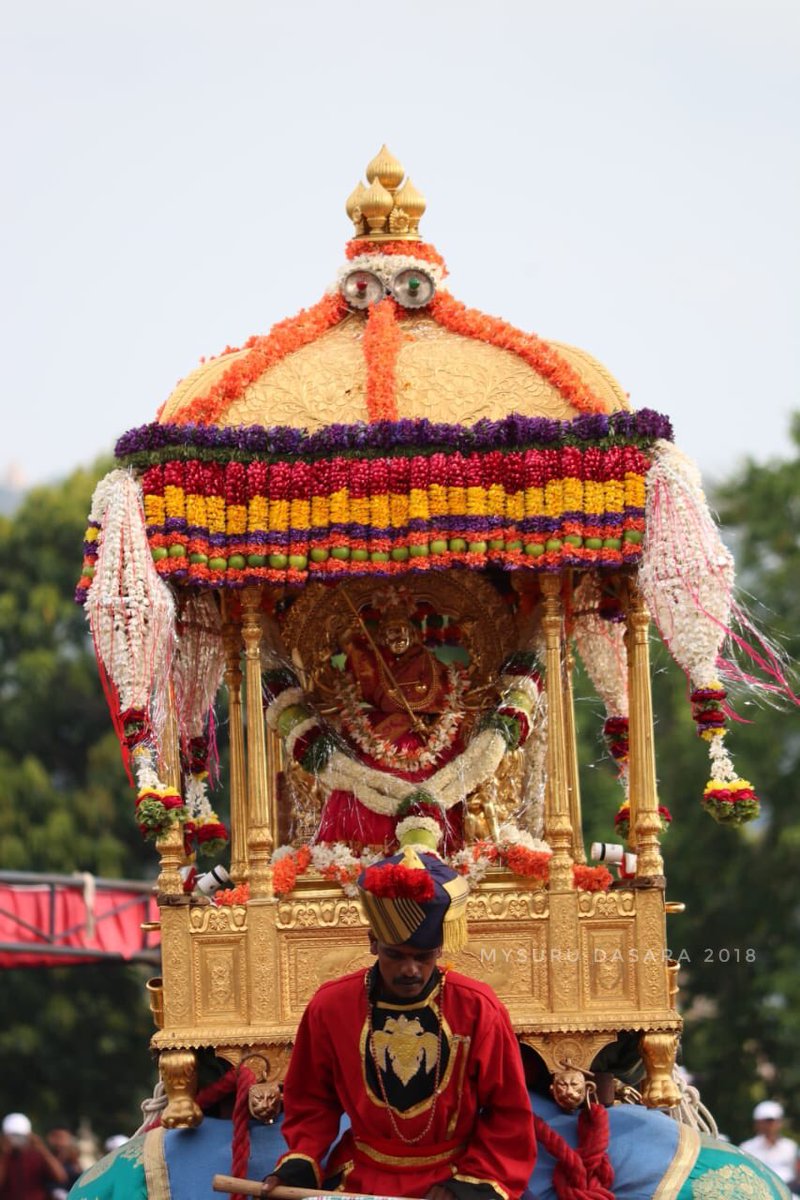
(690, 1110)
(152, 1107)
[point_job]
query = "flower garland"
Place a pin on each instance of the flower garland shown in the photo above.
(130, 611)
(423, 252)
(616, 731)
(383, 338)
(148, 445)
(537, 353)
(131, 616)
(515, 850)
(197, 674)
(333, 861)
(378, 499)
(259, 354)
(622, 820)
(320, 751)
(686, 579)
(439, 737)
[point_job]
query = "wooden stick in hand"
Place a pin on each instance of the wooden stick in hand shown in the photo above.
(253, 1187)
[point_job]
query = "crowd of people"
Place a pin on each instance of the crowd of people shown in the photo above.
(768, 1145)
(40, 1168)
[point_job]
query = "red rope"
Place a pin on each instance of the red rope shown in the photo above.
(241, 1125)
(217, 1091)
(593, 1146)
(586, 1173)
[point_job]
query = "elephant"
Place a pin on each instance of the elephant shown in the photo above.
(653, 1156)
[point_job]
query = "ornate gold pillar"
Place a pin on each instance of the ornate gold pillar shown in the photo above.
(233, 681)
(644, 820)
(259, 839)
(557, 826)
(170, 846)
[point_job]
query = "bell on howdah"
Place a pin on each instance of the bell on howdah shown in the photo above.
(384, 529)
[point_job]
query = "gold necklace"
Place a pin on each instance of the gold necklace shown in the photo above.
(396, 690)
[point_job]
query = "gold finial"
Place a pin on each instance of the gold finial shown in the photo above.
(386, 169)
(376, 204)
(353, 208)
(381, 212)
(412, 203)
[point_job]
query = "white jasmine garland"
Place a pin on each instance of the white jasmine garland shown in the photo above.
(412, 822)
(299, 730)
(473, 869)
(281, 852)
(382, 793)
(510, 834)
(686, 576)
(130, 609)
(601, 645)
(286, 699)
(722, 767)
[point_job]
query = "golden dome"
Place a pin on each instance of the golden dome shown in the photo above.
(440, 375)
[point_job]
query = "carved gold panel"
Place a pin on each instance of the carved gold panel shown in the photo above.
(176, 965)
(314, 958)
(512, 962)
(609, 966)
(210, 918)
(219, 977)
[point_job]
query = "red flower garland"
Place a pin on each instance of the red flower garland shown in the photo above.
(398, 881)
(470, 322)
(263, 352)
(382, 341)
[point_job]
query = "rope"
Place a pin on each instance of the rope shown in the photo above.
(586, 1173)
(690, 1110)
(593, 1146)
(153, 1107)
(241, 1125)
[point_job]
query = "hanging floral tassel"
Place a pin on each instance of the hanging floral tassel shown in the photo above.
(132, 620)
(197, 674)
(686, 579)
(600, 638)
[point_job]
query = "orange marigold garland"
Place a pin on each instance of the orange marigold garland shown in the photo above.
(262, 353)
(537, 353)
(382, 341)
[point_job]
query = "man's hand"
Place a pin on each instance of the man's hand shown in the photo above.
(271, 1182)
(439, 1192)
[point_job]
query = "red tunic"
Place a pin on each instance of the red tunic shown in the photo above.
(480, 1130)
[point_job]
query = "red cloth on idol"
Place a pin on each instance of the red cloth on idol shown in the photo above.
(481, 1131)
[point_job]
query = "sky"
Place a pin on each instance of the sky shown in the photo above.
(622, 175)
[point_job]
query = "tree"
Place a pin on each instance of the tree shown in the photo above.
(740, 979)
(72, 1041)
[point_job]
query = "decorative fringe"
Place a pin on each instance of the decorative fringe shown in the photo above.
(455, 933)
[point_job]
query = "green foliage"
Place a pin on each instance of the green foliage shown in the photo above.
(737, 941)
(73, 1040)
